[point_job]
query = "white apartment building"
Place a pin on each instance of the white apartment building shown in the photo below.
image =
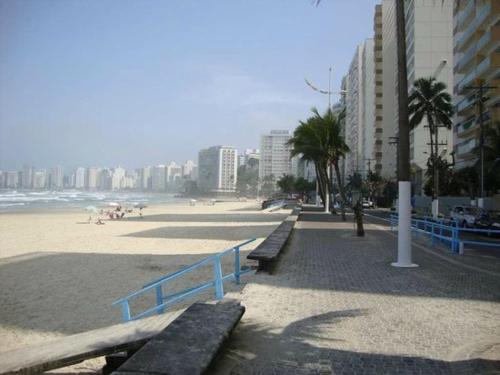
(118, 178)
(12, 180)
(174, 175)
(93, 178)
(57, 178)
(275, 154)
(158, 178)
(80, 178)
(386, 120)
(429, 53)
(40, 179)
(217, 169)
(360, 109)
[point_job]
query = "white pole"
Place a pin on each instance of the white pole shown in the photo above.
(317, 192)
(404, 231)
(327, 192)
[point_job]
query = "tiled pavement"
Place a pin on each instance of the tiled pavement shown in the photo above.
(336, 306)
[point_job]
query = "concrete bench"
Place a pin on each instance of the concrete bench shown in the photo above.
(268, 252)
(189, 344)
(69, 350)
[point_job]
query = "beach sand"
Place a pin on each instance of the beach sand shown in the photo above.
(60, 275)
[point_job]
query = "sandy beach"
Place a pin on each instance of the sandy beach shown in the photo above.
(59, 274)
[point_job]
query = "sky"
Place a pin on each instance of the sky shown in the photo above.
(136, 83)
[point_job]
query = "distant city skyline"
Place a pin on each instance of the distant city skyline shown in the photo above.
(141, 82)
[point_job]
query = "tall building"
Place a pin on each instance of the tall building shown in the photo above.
(360, 102)
(146, 178)
(476, 27)
(27, 177)
(12, 180)
(118, 179)
(93, 178)
(217, 169)
(188, 170)
(40, 179)
(174, 175)
(158, 178)
(80, 178)
(386, 129)
(275, 154)
(429, 53)
(57, 178)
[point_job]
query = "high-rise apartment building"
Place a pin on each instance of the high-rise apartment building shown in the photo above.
(56, 178)
(386, 127)
(93, 178)
(158, 178)
(27, 177)
(80, 178)
(40, 179)
(360, 109)
(217, 169)
(12, 180)
(275, 154)
(174, 175)
(117, 181)
(429, 53)
(476, 26)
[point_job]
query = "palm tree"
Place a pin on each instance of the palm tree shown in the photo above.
(319, 139)
(429, 100)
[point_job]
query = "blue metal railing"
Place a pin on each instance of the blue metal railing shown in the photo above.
(164, 301)
(446, 230)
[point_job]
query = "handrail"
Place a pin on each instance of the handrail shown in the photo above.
(195, 265)
(163, 301)
(456, 242)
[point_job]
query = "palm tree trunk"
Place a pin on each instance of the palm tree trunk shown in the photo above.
(320, 182)
(341, 189)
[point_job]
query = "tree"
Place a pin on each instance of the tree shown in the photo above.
(268, 185)
(247, 182)
(319, 140)
(303, 186)
(287, 184)
(429, 100)
(491, 149)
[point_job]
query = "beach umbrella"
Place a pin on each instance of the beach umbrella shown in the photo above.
(140, 205)
(92, 209)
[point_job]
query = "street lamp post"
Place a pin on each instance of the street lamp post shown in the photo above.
(328, 171)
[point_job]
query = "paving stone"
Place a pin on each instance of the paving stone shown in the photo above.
(334, 300)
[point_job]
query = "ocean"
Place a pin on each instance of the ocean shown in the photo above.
(21, 200)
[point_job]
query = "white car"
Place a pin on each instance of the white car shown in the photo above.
(466, 216)
(366, 203)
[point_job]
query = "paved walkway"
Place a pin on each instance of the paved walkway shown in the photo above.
(336, 306)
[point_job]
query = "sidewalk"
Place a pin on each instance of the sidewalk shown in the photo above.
(335, 306)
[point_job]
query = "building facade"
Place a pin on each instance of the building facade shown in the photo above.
(476, 29)
(275, 155)
(429, 53)
(217, 169)
(360, 109)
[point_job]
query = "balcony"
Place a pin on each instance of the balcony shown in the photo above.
(478, 22)
(467, 57)
(466, 103)
(466, 147)
(464, 128)
(465, 15)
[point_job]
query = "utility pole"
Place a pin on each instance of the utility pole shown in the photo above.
(480, 89)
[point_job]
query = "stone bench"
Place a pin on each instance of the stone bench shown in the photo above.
(189, 344)
(268, 252)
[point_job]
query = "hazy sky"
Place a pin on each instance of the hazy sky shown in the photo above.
(135, 83)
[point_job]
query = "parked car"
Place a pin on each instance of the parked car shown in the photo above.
(367, 203)
(470, 216)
